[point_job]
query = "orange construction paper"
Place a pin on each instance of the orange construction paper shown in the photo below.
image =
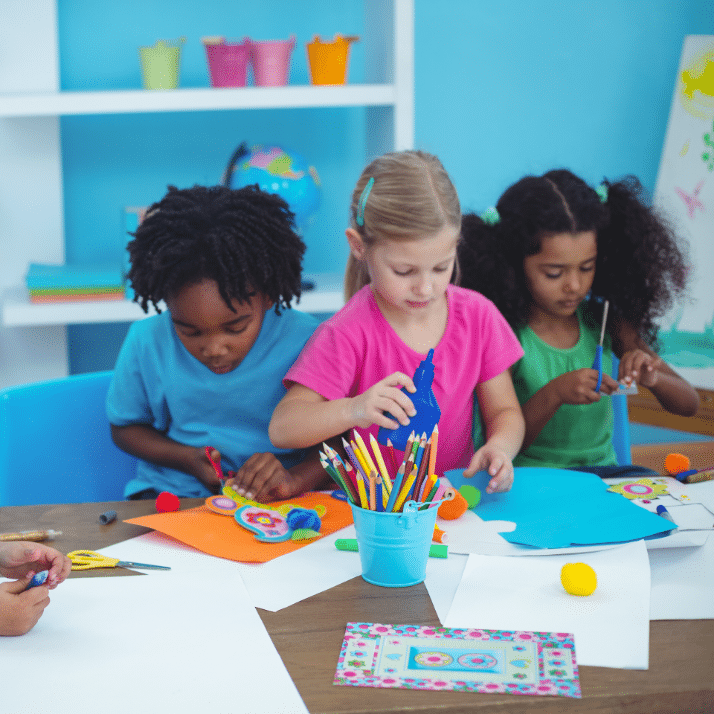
(220, 535)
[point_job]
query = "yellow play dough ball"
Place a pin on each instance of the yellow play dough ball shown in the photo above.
(578, 578)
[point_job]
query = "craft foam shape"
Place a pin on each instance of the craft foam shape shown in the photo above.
(269, 526)
(642, 488)
(559, 508)
(427, 408)
(217, 535)
(284, 508)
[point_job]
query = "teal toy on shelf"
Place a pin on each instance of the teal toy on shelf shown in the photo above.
(427, 414)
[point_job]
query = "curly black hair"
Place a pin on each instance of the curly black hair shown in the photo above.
(641, 266)
(243, 238)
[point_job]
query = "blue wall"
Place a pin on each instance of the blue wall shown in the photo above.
(502, 89)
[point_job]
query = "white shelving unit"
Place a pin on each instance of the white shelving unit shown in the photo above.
(33, 343)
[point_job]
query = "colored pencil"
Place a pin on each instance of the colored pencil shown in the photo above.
(365, 452)
(395, 488)
(379, 494)
(352, 456)
(362, 490)
(434, 439)
(422, 474)
(372, 490)
(439, 491)
(337, 462)
(426, 487)
(392, 459)
(335, 476)
(364, 468)
(380, 462)
(406, 490)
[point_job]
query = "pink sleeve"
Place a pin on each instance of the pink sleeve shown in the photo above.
(503, 348)
(327, 364)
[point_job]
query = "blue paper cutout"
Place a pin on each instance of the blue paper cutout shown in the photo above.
(558, 508)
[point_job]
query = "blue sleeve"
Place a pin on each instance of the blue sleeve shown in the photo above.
(127, 399)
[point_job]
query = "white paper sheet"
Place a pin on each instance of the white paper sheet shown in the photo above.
(272, 586)
(164, 642)
(303, 573)
(611, 626)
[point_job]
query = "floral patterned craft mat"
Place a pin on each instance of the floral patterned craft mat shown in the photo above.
(460, 660)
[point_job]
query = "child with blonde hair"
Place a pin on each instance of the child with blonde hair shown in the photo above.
(403, 235)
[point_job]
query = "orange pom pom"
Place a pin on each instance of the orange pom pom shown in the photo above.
(451, 510)
(167, 501)
(676, 463)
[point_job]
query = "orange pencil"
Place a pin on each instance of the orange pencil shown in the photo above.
(434, 440)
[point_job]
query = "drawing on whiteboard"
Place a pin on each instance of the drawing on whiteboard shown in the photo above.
(692, 201)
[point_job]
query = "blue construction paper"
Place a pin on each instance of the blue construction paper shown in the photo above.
(558, 508)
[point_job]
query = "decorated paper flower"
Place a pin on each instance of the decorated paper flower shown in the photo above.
(643, 488)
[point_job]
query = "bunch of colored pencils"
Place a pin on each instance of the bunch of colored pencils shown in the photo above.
(375, 483)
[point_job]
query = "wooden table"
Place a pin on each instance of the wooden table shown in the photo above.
(308, 636)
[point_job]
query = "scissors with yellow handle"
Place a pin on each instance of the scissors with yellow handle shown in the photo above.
(89, 559)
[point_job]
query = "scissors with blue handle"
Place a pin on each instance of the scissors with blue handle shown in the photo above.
(89, 559)
(597, 364)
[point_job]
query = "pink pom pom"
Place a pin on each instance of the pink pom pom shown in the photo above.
(167, 501)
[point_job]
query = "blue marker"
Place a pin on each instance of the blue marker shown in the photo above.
(662, 511)
(38, 579)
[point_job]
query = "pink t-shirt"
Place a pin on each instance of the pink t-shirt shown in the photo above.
(357, 347)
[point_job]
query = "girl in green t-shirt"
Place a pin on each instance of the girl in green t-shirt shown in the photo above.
(549, 254)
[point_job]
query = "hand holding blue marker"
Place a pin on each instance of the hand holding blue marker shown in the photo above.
(38, 579)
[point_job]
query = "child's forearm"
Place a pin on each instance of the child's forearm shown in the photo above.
(309, 475)
(675, 394)
(151, 445)
(299, 424)
(507, 431)
(538, 411)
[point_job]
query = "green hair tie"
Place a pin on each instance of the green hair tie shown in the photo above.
(491, 216)
(363, 202)
(602, 191)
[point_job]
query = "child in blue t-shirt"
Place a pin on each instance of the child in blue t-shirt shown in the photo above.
(208, 372)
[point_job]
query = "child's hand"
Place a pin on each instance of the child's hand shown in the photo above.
(20, 559)
(578, 387)
(263, 478)
(641, 367)
(204, 470)
(386, 396)
(20, 610)
(498, 464)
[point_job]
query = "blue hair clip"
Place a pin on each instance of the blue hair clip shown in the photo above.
(363, 202)
(491, 216)
(602, 191)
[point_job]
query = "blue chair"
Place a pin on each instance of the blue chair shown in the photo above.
(56, 445)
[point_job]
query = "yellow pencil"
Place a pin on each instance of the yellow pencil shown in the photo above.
(432, 452)
(359, 456)
(363, 498)
(386, 481)
(363, 448)
(405, 490)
